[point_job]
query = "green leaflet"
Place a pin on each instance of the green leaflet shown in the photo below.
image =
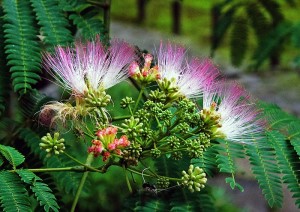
(264, 167)
(13, 195)
(41, 190)
(21, 44)
(12, 155)
(207, 161)
(288, 162)
(54, 25)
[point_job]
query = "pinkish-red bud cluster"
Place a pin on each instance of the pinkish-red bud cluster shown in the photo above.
(146, 74)
(107, 143)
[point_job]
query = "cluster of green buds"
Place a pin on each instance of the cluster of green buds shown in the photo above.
(97, 98)
(170, 89)
(52, 144)
(195, 178)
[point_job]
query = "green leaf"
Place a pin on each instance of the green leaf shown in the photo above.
(239, 39)
(264, 167)
(288, 162)
(207, 161)
(296, 144)
(221, 25)
(151, 206)
(21, 44)
(228, 151)
(54, 25)
(86, 17)
(258, 19)
(14, 157)
(271, 42)
(4, 74)
(41, 190)
(233, 184)
(13, 194)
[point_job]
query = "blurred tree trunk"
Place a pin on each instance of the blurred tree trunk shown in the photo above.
(176, 16)
(141, 6)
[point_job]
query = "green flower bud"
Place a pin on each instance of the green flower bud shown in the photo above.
(181, 128)
(143, 115)
(163, 182)
(176, 155)
(132, 127)
(155, 153)
(204, 139)
(173, 142)
(186, 105)
(170, 89)
(195, 178)
(165, 115)
(148, 105)
(157, 96)
(97, 98)
(125, 102)
(194, 148)
(52, 144)
(131, 154)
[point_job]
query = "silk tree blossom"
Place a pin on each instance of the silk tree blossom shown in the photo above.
(230, 114)
(190, 78)
(107, 143)
(89, 65)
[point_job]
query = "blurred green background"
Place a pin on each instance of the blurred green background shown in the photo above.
(196, 20)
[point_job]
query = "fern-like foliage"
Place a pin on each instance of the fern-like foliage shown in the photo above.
(228, 152)
(32, 139)
(270, 43)
(69, 181)
(32, 103)
(13, 194)
(239, 39)
(22, 47)
(152, 205)
(258, 19)
(54, 25)
(11, 155)
(296, 144)
(207, 161)
(41, 190)
(4, 77)
(265, 169)
(221, 24)
(85, 16)
(240, 17)
(288, 162)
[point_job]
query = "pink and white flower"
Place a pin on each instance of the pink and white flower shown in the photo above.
(236, 116)
(190, 77)
(89, 65)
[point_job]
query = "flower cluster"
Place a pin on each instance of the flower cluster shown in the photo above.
(181, 107)
(147, 73)
(107, 143)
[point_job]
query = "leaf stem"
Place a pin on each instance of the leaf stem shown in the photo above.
(90, 168)
(88, 162)
(73, 168)
(117, 118)
(127, 180)
(139, 98)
